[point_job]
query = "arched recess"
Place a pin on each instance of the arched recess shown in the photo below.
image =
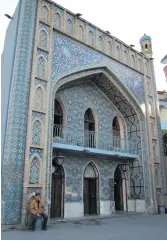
(109, 48)
(146, 69)
(57, 21)
(131, 100)
(57, 192)
(44, 14)
(125, 57)
(91, 38)
(37, 132)
(100, 43)
(39, 98)
(90, 126)
(69, 26)
(80, 33)
(43, 39)
(139, 65)
(41, 67)
(120, 189)
(91, 190)
(118, 53)
(132, 61)
(34, 176)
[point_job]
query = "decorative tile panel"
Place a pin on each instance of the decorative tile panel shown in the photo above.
(13, 163)
(41, 82)
(70, 56)
(34, 171)
(35, 151)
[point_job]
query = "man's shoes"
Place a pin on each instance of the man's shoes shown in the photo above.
(44, 228)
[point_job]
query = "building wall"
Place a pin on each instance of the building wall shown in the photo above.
(16, 128)
(7, 61)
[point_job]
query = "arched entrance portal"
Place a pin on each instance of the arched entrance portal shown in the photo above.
(57, 193)
(90, 189)
(118, 190)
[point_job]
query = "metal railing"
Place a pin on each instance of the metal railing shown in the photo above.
(90, 139)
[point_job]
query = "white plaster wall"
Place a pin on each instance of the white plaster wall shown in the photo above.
(105, 207)
(136, 205)
(72, 210)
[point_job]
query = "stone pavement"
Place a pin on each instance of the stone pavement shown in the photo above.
(134, 227)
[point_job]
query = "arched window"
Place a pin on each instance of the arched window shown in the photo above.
(43, 39)
(45, 14)
(125, 57)
(58, 114)
(41, 67)
(34, 171)
(165, 144)
(118, 54)
(36, 133)
(57, 21)
(80, 33)
(109, 48)
(90, 38)
(100, 43)
(89, 126)
(39, 99)
(116, 133)
(90, 171)
(146, 46)
(116, 127)
(132, 61)
(69, 27)
(139, 65)
(58, 120)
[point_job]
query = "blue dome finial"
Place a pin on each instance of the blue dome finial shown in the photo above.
(145, 37)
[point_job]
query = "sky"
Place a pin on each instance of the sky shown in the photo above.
(127, 20)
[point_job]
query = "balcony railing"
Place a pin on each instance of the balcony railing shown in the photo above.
(90, 139)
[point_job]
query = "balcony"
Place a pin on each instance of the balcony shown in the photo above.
(72, 139)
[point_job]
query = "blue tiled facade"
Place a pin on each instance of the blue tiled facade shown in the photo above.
(95, 81)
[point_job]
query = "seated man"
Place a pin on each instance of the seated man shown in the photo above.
(37, 209)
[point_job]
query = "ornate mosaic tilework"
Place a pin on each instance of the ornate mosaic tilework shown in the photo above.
(41, 82)
(70, 56)
(34, 171)
(13, 164)
(42, 53)
(43, 2)
(74, 169)
(43, 39)
(35, 151)
(38, 115)
(36, 133)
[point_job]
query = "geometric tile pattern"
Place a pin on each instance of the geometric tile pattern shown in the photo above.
(34, 171)
(69, 56)
(43, 39)
(36, 133)
(13, 163)
(74, 167)
(39, 99)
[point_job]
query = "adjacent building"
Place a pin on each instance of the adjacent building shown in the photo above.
(80, 118)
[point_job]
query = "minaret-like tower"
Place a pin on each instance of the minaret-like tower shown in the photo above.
(146, 46)
(156, 159)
